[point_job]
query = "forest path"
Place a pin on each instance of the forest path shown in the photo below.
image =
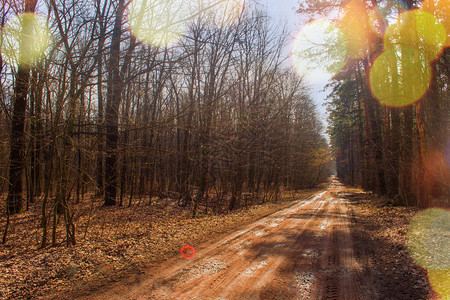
(302, 252)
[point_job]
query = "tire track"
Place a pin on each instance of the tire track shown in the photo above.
(303, 251)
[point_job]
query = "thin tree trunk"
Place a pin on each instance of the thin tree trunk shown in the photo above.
(17, 141)
(112, 109)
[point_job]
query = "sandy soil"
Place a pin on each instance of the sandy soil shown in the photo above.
(302, 252)
(113, 244)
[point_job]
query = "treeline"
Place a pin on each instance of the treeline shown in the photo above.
(395, 150)
(205, 120)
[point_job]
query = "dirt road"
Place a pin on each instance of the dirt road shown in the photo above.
(302, 252)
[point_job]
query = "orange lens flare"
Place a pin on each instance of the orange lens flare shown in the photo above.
(437, 168)
(356, 24)
(441, 10)
(187, 252)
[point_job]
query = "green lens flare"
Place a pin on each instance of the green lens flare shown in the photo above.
(440, 281)
(24, 39)
(400, 76)
(429, 240)
(419, 30)
(220, 13)
(159, 22)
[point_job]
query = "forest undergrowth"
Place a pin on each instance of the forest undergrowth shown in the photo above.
(379, 231)
(112, 243)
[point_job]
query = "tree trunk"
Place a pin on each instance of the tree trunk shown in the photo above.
(112, 107)
(17, 141)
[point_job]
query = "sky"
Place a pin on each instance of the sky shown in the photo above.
(285, 11)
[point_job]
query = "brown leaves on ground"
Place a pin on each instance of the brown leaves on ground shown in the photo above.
(379, 234)
(111, 243)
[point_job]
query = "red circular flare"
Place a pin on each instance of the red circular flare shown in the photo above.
(187, 252)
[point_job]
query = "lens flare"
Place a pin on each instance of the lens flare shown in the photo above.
(400, 76)
(159, 22)
(428, 239)
(220, 13)
(187, 251)
(375, 22)
(418, 30)
(440, 281)
(356, 24)
(437, 167)
(319, 49)
(441, 10)
(447, 155)
(24, 39)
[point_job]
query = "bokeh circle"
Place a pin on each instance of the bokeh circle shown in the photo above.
(419, 30)
(159, 22)
(400, 76)
(429, 239)
(319, 50)
(25, 38)
(440, 281)
(220, 13)
(187, 251)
